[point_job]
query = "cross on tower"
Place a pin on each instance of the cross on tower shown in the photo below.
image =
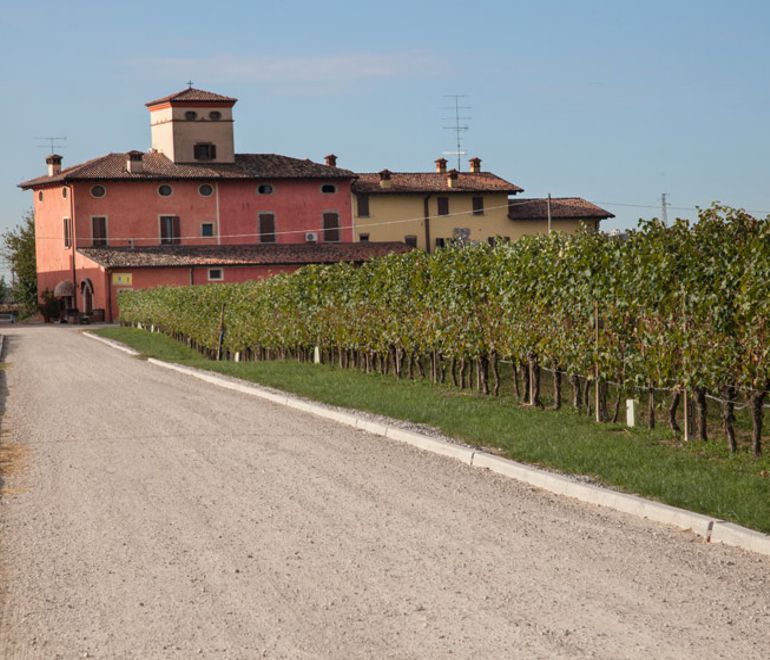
(189, 84)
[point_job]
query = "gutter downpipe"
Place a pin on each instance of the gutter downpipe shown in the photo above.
(108, 284)
(74, 245)
(426, 213)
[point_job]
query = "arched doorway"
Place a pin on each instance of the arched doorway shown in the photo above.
(87, 291)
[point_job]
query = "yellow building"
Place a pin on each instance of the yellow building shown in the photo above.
(429, 209)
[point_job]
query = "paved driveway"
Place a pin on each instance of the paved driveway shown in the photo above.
(149, 515)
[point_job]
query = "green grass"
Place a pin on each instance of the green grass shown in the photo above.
(698, 476)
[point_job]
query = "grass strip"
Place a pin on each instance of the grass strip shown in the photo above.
(702, 477)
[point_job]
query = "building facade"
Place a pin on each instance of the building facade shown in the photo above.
(429, 209)
(189, 189)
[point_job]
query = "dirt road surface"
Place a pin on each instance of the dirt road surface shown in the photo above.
(149, 515)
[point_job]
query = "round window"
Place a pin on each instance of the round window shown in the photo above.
(190, 115)
(98, 191)
(328, 188)
(164, 190)
(40, 196)
(64, 192)
(206, 190)
(265, 189)
(215, 115)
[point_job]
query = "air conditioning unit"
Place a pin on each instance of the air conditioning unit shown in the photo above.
(311, 237)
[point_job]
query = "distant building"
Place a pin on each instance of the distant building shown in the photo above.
(190, 189)
(430, 209)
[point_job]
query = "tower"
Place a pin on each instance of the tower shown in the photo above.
(193, 126)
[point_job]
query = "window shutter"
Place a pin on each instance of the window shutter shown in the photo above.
(267, 227)
(331, 228)
(175, 233)
(442, 205)
(363, 206)
(478, 206)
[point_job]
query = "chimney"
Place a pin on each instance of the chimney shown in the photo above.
(451, 178)
(475, 165)
(385, 178)
(440, 165)
(330, 160)
(134, 162)
(54, 164)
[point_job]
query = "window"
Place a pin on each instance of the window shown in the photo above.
(67, 227)
(265, 189)
(165, 190)
(169, 230)
(266, 228)
(206, 190)
(440, 242)
(411, 240)
(64, 193)
(478, 205)
(363, 205)
(207, 229)
(191, 115)
(216, 274)
(204, 151)
(364, 238)
(98, 191)
(328, 188)
(40, 196)
(99, 231)
(215, 115)
(331, 227)
(442, 205)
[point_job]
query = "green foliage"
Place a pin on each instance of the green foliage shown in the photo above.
(680, 306)
(18, 249)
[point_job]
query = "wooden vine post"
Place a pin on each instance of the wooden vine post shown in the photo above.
(685, 394)
(221, 337)
(597, 392)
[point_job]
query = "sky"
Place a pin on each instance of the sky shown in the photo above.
(615, 101)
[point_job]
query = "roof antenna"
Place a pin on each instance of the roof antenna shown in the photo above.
(52, 143)
(458, 127)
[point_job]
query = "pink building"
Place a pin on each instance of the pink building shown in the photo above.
(188, 211)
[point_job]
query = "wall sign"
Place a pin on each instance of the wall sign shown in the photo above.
(122, 279)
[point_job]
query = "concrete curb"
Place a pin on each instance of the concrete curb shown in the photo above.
(741, 537)
(711, 529)
(114, 344)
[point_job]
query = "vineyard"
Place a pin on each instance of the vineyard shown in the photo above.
(677, 312)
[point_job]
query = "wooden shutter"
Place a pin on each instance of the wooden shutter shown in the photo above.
(442, 205)
(266, 228)
(67, 228)
(99, 231)
(175, 232)
(331, 228)
(363, 206)
(478, 206)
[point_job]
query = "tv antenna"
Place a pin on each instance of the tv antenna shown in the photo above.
(458, 126)
(54, 143)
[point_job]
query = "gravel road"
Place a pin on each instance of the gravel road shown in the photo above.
(149, 515)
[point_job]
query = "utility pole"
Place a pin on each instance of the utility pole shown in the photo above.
(664, 208)
(548, 208)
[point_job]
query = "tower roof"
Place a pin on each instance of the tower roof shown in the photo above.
(192, 95)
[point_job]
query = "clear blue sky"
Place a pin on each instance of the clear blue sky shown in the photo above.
(616, 101)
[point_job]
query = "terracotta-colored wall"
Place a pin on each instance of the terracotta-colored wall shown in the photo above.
(53, 258)
(298, 206)
(133, 211)
(147, 278)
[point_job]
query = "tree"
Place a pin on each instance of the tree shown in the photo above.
(18, 248)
